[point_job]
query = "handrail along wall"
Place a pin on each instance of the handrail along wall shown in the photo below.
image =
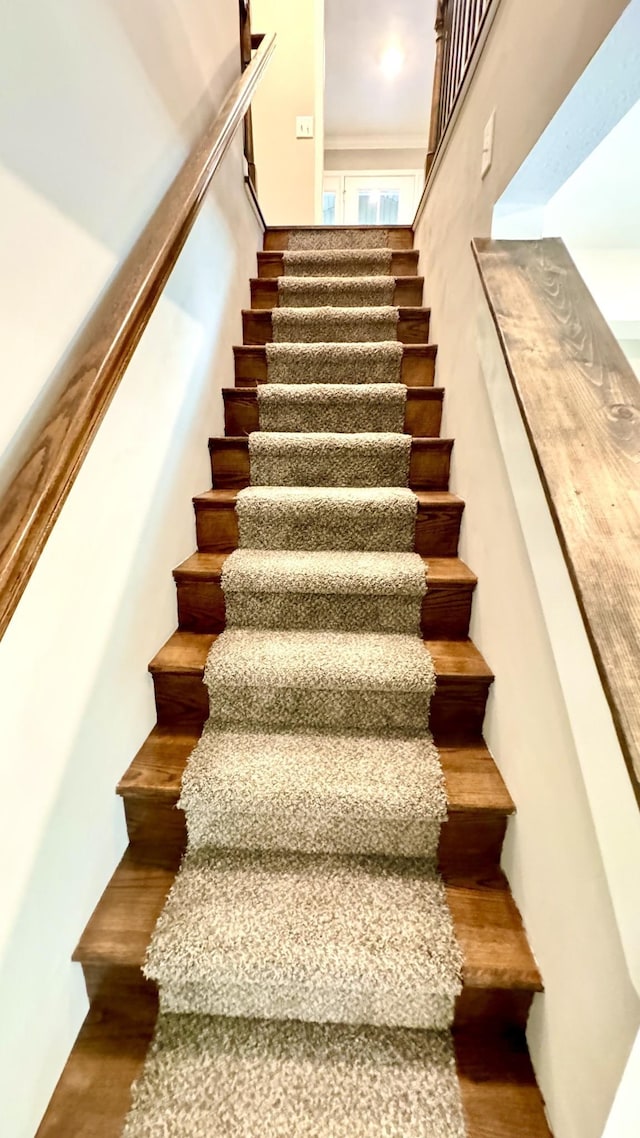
(89, 376)
(580, 404)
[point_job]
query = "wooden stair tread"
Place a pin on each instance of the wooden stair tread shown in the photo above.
(430, 394)
(473, 780)
(186, 653)
(440, 569)
(429, 461)
(422, 411)
(418, 442)
(220, 496)
(265, 293)
(417, 364)
(499, 1093)
(403, 262)
(412, 326)
(488, 926)
(277, 236)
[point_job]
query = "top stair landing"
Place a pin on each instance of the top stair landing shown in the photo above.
(278, 237)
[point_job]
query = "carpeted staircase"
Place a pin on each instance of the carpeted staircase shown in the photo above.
(338, 955)
(314, 799)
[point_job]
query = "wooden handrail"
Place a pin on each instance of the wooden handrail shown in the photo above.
(89, 376)
(580, 403)
(247, 46)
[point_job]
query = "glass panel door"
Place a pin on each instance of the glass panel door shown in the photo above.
(380, 199)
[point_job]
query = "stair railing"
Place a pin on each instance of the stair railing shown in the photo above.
(90, 374)
(458, 27)
(579, 399)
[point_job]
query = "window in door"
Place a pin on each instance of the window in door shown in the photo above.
(377, 207)
(329, 207)
(380, 199)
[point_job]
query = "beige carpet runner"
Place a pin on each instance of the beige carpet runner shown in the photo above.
(305, 958)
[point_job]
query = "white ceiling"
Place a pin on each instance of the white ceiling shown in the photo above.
(360, 103)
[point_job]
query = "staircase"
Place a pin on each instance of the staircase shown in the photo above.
(498, 975)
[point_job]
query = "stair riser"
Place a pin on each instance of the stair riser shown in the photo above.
(417, 368)
(111, 987)
(404, 263)
(437, 529)
(468, 844)
(446, 608)
(457, 708)
(264, 293)
(422, 417)
(413, 326)
(428, 467)
(399, 238)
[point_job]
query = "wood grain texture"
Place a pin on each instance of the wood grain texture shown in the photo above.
(265, 294)
(437, 522)
(457, 708)
(277, 236)
(580, 404)
(91, 372)
(413, 325)
(404, 263)
(497, 960)
(446, 606)
(470, 839)
(499, 1093)
(417, 368)
(422, 416)
(428, 466)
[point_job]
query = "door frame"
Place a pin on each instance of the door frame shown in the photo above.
(334, 180)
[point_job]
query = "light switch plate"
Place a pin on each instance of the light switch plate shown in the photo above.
(304, 126)
(487, 145)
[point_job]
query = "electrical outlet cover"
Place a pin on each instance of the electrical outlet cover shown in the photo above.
(304, 126)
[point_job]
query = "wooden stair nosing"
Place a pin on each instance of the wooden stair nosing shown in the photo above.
(276, 237)
(417, 367)
(422, 411)
(446, 606)
(499, 1094)
(265, 292)
(470, 840)
(474, 783)
(457, 708)
(438, 520)
(429, 462)
(404, 262)
(412, 327)
(499, 973)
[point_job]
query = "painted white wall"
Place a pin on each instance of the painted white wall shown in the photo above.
(117, 97)
(409, 158)
(289, 169)
(563, 861)
(625, 1112)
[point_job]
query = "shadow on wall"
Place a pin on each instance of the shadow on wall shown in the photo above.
(102, 99)
(95, 697)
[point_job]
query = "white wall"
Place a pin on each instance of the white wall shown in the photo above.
(289, 169)
(410, 158)
(105, 103)
(581, 1030)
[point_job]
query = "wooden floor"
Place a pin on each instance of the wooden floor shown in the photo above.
(500, 976)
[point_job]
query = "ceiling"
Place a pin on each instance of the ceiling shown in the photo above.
(361, 104)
